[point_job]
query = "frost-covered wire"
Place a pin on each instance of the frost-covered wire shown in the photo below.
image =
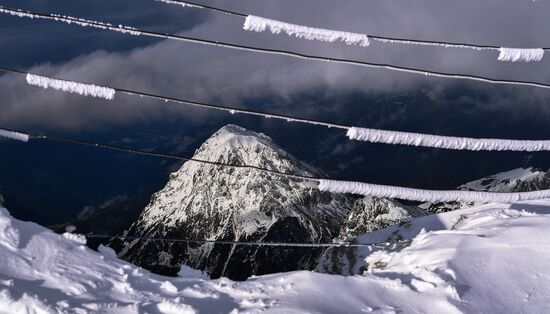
(353, 133)
(261, 24)
(446, 142)
(183, 4)
(71, 86)
(228, 242)
(416, 42)
(14, 135)
(368, 189)
(515, 54)
(192, 4)
(72, 20)
(147, 153)
(126, 29)
(325, 185)
(231, 110)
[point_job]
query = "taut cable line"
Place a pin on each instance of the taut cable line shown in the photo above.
(353, 133)
(324, 185)
(288, 53)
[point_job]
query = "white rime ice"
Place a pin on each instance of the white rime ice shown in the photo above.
(317, 34)
(183, 4)
(96, 24)
(74, 20)
(260, 24)
(368, 189)
(516, 54)
(71, 87)
(18, 13)
(14, 135)
(446, 142)
(427, 43)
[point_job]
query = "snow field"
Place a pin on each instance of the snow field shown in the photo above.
(483, 259)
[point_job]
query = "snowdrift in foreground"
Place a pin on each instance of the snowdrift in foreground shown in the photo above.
(486, 259)
(411, 194)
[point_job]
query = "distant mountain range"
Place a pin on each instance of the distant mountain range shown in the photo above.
(205, 201)
(516, 180)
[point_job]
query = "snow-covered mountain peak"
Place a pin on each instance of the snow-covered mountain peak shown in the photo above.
(237, 133)
(207, 201)
(236, 145)
(236, 138)
(507, 181)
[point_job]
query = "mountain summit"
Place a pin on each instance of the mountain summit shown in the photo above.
(206, 201)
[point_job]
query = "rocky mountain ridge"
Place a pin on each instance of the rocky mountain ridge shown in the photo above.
(515, 180)
(211, 202)
(340, 260)
(206, 201)
(369, 214)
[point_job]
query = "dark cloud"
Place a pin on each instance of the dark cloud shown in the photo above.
(65, 178)
(222, 75)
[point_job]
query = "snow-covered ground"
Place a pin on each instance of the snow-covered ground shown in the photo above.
(488, 259)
